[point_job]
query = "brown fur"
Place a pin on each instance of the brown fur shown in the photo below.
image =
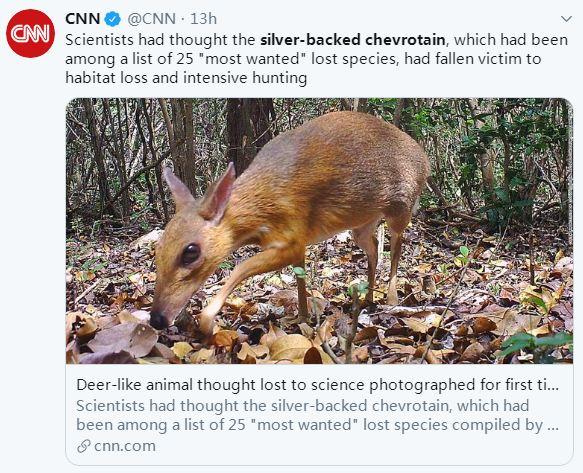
(343, 170)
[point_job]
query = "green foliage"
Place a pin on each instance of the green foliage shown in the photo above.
(358, 290)
(537, 301)
(524, 142)
(93, 264)
(76, 224)
(464, 257)
(506, 204)
(511, 137)
(540, 347)
(495, 288)
(443, 268)
(428, 200)
(523, 131)
(300, 272)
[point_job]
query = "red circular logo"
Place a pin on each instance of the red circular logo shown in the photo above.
(30, 33)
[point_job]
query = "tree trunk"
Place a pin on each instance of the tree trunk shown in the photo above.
(145, 149)
(566, 180)
(180, 136)
(399, 110)
(119, 153)
(486, 159)
(354, 105)
(249, 128)
(97, 145)
(152, 148)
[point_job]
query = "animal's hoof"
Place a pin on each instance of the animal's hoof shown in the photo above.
(206, 324)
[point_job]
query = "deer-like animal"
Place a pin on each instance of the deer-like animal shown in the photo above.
(342, 170)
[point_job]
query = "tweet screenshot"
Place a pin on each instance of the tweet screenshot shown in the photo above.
(291, 236)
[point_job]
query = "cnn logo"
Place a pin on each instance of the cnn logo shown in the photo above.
(30, 33)
(26, 33)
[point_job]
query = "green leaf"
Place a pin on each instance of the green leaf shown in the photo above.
(538, 301)
(460, 261)
(514, 347)
(465, 251)
(360, 288)
(300, 272)
(555, 340)
(519, 338)
(522, 203)
(515, 182)
(502, 194)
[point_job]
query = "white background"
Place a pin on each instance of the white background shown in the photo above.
(32, 192)
(452, 446)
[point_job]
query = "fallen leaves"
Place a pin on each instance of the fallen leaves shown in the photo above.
(225, 339)
(181, 349)
(416, 325)
(121, 357)
(510, 321)
(110, 287)
(541, 297)
(257, 351)
(472, 353)
(272, 335)
(291, 347)
(204, 355)
(482, 324)
(147, 240)
(87, 327)
(137, 316)
(135, 338)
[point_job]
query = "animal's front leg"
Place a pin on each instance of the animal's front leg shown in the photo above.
(269, 260)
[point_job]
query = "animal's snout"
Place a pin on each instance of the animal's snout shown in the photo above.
(157, 320)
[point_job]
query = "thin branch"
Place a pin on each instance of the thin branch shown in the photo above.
(451, 299)
(354, 326)
(137, 174)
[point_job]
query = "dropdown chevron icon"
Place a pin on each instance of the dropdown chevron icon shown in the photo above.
(566, 18)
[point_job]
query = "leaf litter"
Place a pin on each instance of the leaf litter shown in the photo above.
(110, 284)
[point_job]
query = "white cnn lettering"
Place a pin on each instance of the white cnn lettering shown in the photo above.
(26, 33)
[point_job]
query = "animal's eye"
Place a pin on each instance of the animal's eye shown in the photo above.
(190, 254)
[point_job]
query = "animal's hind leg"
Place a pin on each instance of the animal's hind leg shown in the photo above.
(397, 225)
(366, 239)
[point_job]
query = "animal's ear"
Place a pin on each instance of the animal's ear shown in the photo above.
(180, 192)
(214, 202)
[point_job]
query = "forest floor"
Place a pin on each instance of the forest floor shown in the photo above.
(467, 292)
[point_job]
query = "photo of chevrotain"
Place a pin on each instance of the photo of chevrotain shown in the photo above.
(319, 231)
